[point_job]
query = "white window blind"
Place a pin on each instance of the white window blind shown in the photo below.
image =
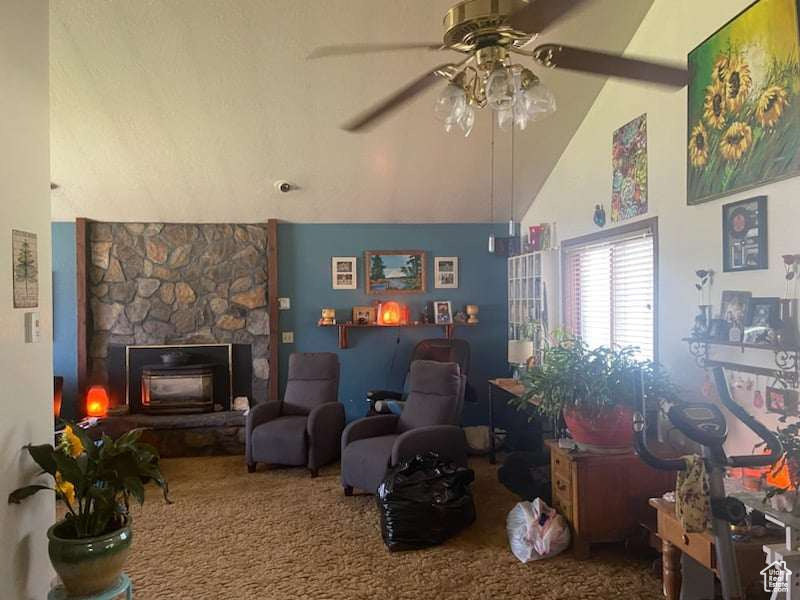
(609, 291)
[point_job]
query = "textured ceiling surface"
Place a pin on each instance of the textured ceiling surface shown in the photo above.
(189, 110)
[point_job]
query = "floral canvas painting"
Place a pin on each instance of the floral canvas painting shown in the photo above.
(629, 159)
(744, 103)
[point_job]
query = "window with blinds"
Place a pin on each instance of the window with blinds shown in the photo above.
(609, 291)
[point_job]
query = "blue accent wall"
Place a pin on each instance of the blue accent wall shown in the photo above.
(379, 358)
(65, 325)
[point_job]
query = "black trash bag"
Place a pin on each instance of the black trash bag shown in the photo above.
(423, 501)
(527, 474)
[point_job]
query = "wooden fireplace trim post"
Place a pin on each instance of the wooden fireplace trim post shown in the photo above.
(272, 302)
(82, 250)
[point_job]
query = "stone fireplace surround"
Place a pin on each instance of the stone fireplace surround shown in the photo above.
(174, 284)
(178, 284)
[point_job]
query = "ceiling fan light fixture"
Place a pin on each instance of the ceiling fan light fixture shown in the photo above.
(500, 88)
(451, 105)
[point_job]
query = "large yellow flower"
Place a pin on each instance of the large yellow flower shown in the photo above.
(736, 140)
(66, 489)
(714, 106)
(719, 71)
(738, 83)
(72, 442)
(698, 146)
(770, 106)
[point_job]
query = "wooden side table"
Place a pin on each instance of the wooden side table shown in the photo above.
(122, 586)
(675, 541)
(603, 496)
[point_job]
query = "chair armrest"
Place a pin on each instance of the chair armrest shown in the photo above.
(324, 427)
(448, 441)
(368, 427)
(260, 413)
(384, 395)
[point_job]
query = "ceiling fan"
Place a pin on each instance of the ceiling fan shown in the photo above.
(489, 32)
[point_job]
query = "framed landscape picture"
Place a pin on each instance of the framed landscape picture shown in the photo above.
(744, 103)
(744, 235)
(395, 271)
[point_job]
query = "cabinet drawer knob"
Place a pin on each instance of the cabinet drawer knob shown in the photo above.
(685, 539)
(560, 485)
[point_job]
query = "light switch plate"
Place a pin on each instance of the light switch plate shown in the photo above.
(32, 327)
(284, 303)
(287, 337)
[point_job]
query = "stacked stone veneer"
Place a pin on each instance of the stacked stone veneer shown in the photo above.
(154, 283)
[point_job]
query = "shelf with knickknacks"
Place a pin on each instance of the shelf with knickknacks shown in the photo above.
(750, 323)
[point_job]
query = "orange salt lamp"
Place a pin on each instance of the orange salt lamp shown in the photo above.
(390, 313)
(96, 401)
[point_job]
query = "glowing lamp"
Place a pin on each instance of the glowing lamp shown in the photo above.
(58, 395)
(390, 313)
(779, 476)
(96, 401)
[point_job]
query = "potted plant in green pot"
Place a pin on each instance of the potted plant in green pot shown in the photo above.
(95, 481)
(594, 389)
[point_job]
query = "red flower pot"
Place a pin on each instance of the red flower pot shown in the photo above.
(606, 429)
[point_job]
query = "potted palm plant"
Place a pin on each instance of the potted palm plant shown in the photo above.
(96, 481)
(594, 389)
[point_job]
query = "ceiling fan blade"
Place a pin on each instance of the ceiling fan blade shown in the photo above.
(541, 14)
(347, 49)
(398, 99)
(601, 63)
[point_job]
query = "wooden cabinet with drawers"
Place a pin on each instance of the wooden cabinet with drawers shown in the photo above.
(603, 496)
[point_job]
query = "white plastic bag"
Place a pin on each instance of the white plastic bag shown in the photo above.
(536, 531)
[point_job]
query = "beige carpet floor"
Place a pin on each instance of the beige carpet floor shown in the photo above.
(278, 534)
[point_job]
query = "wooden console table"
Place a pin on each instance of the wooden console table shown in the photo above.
(700, 546)
(603, 496)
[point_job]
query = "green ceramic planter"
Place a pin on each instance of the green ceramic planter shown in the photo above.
(89, 565)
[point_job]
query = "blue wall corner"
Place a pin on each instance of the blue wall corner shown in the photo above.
(378, 358)
(65, 324)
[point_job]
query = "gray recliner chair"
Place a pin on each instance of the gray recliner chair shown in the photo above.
(305, 427)
(429, 423)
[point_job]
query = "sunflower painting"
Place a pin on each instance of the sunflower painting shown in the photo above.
(744, 103)
(629, 160)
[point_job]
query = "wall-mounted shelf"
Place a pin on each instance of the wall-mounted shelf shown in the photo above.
(345, 327)
(787, 359)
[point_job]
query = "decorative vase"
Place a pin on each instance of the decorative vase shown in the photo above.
(472, 312)
(607, 430)
(88, 566)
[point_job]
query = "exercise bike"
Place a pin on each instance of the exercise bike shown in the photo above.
(704, 423)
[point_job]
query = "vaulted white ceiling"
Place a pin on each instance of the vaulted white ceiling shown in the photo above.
(189, 110)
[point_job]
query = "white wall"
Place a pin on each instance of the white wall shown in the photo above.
(690, 236)
(25, 369)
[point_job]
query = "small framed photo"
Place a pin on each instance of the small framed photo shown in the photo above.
(782, 401)
(445, 271)
(443, 312)
(364, 315)
(343, 273)
(744, 235)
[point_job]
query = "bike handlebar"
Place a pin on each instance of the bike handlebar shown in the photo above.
(678, 464)
(770, 439)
